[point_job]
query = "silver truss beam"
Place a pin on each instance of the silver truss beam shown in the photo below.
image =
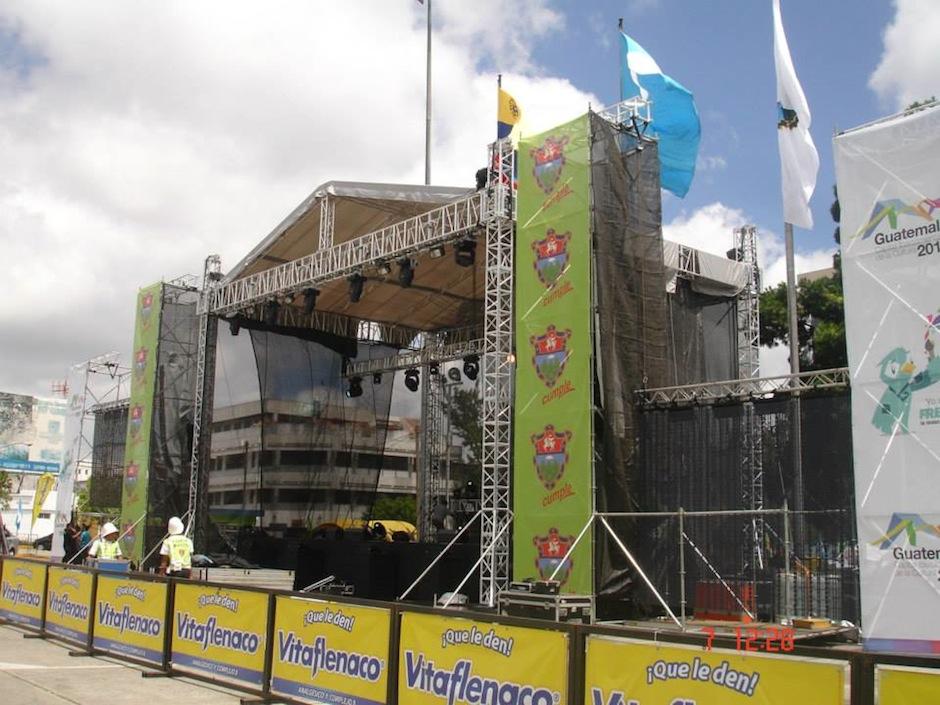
(497, 378)
(432, 434)
(626, 111)
(416, 358)
(327, 222)
(212, 274)
(748, 304)
(407, 237)
(744, 389)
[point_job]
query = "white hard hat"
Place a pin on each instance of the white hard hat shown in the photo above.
(108, 529)
(175, 526)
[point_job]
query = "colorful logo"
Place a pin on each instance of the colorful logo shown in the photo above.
(551, 354)
(551, 256)
(549, 161)
(137, 419)
(895, 207)
(140, 361)
(910, 524)
(551, 455)
(130, 474)
(146, 305)
(786, 118)
(553, 551)
(897, 373)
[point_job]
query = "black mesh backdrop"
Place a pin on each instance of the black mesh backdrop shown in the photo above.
(694, 458)
(631, 336)
(171, 434)
(107, 456)
(702, 337)
(321, 452)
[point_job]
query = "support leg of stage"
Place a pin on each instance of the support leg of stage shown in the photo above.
(439, 556)
(638, 569)
(483, 556)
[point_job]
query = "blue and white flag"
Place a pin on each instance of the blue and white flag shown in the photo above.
(799, 160)
(675, 119)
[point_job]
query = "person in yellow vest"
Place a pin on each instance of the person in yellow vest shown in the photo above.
(106, 546)
(176, 553)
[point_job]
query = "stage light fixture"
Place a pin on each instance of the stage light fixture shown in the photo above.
(465, 253)
(270, 313)
(471, 366)
(234, 327)
(453, 374)
(437, 252)
(376, 378)
(355, 387)
(310, 300)
(412, 380)
(434, 368)
(356, 284)
(406, 272)
(383, 268)
(288, 299)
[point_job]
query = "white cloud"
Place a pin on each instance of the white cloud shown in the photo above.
(711, 229)
(710, 163)
(908, 67)
(138, 139)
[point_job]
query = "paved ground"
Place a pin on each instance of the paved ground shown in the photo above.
(41, 672)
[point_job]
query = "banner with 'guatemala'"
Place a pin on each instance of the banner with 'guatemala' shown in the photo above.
(888, 178)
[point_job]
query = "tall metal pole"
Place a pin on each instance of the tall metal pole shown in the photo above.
(622, 67)
(796, 418)
(427, 126)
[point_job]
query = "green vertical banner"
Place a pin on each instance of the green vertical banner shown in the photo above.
(139, 421)
(552, 495)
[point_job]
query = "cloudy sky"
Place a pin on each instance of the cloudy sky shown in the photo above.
(139, 137)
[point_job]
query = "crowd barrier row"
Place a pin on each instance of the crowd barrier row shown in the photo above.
(292, 647)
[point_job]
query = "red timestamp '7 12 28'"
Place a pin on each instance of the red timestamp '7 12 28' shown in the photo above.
(766, 639)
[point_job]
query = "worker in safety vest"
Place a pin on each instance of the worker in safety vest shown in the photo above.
(176, 553)
(106, 546)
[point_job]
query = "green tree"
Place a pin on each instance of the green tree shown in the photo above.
(465, 410)
(402, 508)
(6, 489)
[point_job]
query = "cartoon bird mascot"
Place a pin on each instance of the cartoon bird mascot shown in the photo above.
(897, 372)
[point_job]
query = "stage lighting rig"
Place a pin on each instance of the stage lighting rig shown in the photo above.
(465, 253)
(412, 379)
(376, 378)
(233, 326)
(270, 312)
(436, 252)
(406, 272)
(434, 368)
(471, 366)
(310, 300)
(355, 387)
(453, 374)
(356, 284)
(383, 268)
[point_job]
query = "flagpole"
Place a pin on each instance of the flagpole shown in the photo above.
(620, 27)
(427, 125)
(796, 432)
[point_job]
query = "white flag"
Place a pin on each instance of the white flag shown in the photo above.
(799, 160)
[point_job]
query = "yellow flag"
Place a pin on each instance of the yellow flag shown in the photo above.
(508, 114)
(44, 486)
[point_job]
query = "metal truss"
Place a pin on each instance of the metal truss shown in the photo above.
(497, 378)
(338, 324)
(407, 237)
(745, 242)
(327, 221)
(744, 389)
(432, 451)
(212, 274)
(416, 358)
(629, 112)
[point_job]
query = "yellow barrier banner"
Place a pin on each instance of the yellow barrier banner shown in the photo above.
(452, 660)
(632, 672)
(21, 592)
(330, 652)
(130, 617)
(906, 685)
(69, 611)
(220, 632)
